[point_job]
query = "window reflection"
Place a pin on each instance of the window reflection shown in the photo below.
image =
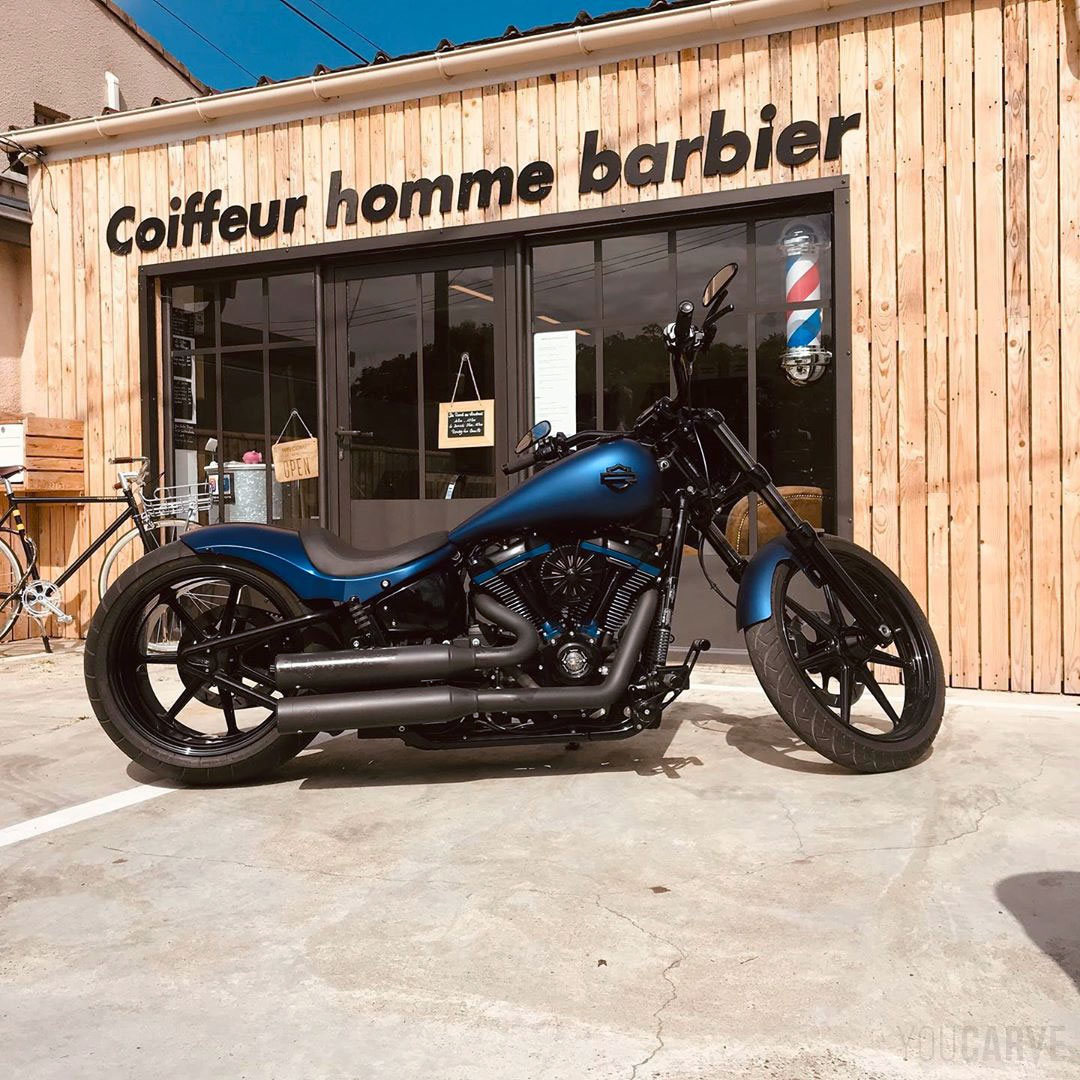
(243, 312)
(459, 313)
(292, 314)
(230, 373)
(636, 278)
(796, 423)
(636, 373)
(382, 336)
(563, 288)
(699, 253)
(623, 313)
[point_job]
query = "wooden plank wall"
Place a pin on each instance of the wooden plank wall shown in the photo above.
(965, 232)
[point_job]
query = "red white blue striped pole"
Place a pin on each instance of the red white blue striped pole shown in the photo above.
(804, 360)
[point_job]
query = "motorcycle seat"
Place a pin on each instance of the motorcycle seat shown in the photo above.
(332, 556)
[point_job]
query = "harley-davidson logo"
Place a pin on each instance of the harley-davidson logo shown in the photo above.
(618, 477)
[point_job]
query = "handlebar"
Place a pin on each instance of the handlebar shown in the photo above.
(526, 461)
(684, 323)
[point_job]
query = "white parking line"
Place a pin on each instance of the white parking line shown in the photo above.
(72, 815)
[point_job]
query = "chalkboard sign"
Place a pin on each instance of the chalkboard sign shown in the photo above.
(466, 423)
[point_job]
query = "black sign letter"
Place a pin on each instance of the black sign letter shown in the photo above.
(591, 159)
(116, 245)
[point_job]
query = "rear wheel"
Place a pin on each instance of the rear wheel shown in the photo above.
(163, 636)
(868, 708)
(196, 713)
(11, 582)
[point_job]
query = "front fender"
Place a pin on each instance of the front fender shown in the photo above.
(754, 601)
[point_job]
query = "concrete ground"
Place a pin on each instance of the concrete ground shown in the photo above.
(709, 900)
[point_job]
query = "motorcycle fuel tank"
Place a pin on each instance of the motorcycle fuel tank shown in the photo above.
(611, 483)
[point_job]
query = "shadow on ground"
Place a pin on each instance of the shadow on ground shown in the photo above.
(1047, 906)
(765, 738)
(346, 761)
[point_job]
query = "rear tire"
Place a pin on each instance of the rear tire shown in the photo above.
(11, 582)
(813, 713)
(118, 684)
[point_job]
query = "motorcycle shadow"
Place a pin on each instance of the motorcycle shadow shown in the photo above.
(765, 738)
(346, 761)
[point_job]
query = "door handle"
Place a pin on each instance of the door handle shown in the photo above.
(348, 434)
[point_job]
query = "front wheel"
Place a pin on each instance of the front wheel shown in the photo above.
(826, 677)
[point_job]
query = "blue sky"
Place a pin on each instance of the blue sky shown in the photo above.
(266, 38)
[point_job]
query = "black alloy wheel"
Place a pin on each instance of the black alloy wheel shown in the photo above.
(204, 712)
(865, 705)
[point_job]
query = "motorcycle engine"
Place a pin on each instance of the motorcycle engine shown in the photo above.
(578, 594)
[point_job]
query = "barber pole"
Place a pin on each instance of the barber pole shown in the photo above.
(804, 360)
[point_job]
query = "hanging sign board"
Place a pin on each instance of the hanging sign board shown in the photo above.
(297, 459)
(466, 423)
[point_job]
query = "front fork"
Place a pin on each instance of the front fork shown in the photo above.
(820, 565)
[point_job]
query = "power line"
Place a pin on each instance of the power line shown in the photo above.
(348, 26)
(323, 30)
(202, 37)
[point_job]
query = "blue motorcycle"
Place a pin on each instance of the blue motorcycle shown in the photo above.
(546, 616)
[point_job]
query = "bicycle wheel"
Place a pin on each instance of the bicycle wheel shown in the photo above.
(164, 532)
(11, 580)
(163, 635)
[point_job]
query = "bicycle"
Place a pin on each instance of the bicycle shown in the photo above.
(155, 520)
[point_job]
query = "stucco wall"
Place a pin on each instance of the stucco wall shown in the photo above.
(15, 289)
(64, 50)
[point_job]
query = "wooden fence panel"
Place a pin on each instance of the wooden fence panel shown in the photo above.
(964, 181)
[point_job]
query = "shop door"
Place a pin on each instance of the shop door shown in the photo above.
(411, 337)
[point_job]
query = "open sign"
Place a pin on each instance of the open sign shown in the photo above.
(296, 460)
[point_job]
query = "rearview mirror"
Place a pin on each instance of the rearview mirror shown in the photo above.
(540, 430)
(718, 284)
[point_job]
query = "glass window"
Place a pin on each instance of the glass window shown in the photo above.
(292, 311)
(563, 286)
(796, 420)
(243, 312)
(383, 387)
(459, 313)
(292, 386)
(193, 314)
(782, 303)
(636, 273)
(699, 253)
(228, 376)
(636, 373)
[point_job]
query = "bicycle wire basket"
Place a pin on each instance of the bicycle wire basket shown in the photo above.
(184, 502)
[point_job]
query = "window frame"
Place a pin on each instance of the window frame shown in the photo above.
(831, 192)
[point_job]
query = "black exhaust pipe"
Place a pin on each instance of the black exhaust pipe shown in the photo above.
(408, 706)
(407, 664)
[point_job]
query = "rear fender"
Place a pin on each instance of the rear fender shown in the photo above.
(279, 552)
(754, 601)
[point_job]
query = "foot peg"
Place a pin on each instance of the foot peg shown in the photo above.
(676, 677)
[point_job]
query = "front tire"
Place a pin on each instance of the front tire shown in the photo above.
(810, 641)
(167, 714)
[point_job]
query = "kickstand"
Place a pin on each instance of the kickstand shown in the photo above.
(45, 641)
